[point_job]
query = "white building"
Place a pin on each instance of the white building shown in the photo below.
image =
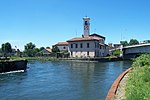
(88, 45)
(62, 46)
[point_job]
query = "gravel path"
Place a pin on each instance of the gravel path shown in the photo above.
(120, 94)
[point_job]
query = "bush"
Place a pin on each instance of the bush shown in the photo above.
(116, 53)
(138, 84)
(142, 60)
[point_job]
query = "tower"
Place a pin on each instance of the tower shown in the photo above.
(86, 25)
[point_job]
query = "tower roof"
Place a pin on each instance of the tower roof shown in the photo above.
(86, 18)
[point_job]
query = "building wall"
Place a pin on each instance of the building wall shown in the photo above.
(94, 49)
(62, 47)
(84, 54)
(104, 50)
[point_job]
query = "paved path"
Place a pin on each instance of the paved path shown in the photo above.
(120, 94)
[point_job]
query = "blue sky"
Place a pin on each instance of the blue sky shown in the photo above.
(46, 22)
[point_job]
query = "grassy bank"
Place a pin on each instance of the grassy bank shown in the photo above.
(54, 58)
(34, 58)
(138, 84)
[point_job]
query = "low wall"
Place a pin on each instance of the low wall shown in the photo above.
(12, 65)
(115, 85)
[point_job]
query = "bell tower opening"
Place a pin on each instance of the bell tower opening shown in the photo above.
(86, 26)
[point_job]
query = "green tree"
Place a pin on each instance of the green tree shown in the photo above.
(55, 49)
(147, 41)
(29, 46)
(42, 48)
(124, 43)
(30, 49)
(133, 42)
(47, 47)
(37, 49)
(6, 48)
(116, 53)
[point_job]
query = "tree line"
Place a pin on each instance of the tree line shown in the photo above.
(132, 42)
(30, 50)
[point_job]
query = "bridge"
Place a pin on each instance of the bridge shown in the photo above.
(134, 50)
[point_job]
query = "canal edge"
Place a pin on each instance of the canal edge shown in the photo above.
(113, 89)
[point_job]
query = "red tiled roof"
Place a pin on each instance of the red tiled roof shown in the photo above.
(62, 43)
(89, 38)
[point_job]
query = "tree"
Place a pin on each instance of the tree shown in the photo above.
(6, 48)
(42, 48)
(146, 41)
(55, 49)
(47, 47)
(19, 53)
(30, 49)
(133, 42)
(29, 46)
(124, 43)
(37, 50)
(116, 53)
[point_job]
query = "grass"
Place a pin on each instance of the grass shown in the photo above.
(138, 84)
(50, 58)
(35, 58)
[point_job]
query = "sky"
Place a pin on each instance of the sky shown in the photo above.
(46, 22)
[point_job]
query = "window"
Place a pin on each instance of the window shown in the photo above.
(95, 44)
(88, 45)
(81, 45)
(76, 45)
(87, 53)
(64, 47)
(100, 46)
(86, 23)
(71, 45)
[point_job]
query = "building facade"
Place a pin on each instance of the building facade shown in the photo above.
(62, 46)
(88, 45)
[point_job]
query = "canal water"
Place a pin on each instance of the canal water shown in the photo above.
(61, 80)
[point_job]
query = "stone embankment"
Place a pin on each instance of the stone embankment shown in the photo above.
(117, 89)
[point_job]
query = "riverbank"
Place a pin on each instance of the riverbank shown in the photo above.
(138, 84)
(135, 84)
(97, 59)
(120, 92)
(116, 91)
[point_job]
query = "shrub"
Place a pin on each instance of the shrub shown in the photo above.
(116, 53)
(142, 60)
(138, 84)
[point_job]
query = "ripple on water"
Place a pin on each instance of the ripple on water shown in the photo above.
(65, 80)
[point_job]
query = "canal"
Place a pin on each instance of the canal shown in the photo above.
(61, 80)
